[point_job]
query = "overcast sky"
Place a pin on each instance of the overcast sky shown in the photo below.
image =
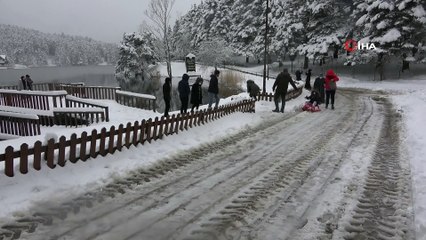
(104, 20)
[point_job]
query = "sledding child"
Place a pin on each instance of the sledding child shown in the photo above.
(314, 100)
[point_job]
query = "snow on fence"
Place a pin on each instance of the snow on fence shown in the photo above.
(107, 142)
(93, 92)
(41, 100)
(137, 100)
(36, 87)
(71, 101)
(19, 124)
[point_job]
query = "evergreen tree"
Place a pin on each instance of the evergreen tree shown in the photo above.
(135, 55)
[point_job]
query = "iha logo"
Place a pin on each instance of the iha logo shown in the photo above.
(352, 45)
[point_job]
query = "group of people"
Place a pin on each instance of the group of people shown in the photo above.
(323, 87)
(196, 93)
(322, 91)
(26, 83)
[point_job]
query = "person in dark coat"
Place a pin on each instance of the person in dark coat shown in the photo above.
(319, 86)
(23, 83)
(184, 90)
(280, 87)
(308, 79)
(29, 82)
(167, 88)
(330, 87)
(196, 94)
(214, 89)
(314, 98)
(298, 75)
(253, 89)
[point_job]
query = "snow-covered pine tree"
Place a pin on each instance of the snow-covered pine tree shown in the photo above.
(393, 26)
(132, 69)
(34, 48)
(325, 27)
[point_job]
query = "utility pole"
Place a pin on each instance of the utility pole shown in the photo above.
(265, 56)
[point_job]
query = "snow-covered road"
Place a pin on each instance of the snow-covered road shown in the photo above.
(338, 175)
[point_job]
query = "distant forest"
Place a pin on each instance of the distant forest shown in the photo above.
(35, 48)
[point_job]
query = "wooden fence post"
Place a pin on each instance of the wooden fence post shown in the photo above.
(8, 162)
(120, 137)
(154, 134)
(172, 124)
(135, 133)
(50, 152)
(148, 126)
(102, 149)
(178, 117)
(61, 157)
(142, 134)
(37, 156)
(83, 155)
(23, 164)
(73, 144)
(127, 139)
(111, 140)
(161, 128)
(93, 139)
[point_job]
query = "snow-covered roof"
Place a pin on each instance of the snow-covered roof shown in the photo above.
(2, 56)
(190, 55)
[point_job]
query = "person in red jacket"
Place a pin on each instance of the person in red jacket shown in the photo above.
(330, 87)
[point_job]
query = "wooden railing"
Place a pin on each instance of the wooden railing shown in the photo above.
(92, 92)
(78, 116)
(36, 87)
(137, 100)
(41, 100)
(71, 101)
(290, 95)
(19, 124)
(108, 141)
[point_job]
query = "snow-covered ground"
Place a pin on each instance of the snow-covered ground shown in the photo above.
(20, 192)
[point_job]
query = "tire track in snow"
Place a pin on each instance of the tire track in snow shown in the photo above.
(384, 209)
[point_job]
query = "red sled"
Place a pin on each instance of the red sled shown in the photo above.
(309, 107)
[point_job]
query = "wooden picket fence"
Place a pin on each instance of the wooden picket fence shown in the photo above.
(19, 124)
(270, 96)
(108, 141)
(136, 100)
(93, 92)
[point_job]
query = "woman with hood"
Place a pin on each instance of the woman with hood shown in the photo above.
(184, 90)
(330, 87)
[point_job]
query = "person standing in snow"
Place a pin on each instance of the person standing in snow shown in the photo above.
(253, 89)
(22, 83)
(298, 75)
(319, 86)
(184, 90)
(330, 87)
(196, 94)
(280, 87)
(308, 79)
(214, 88)
(167, 88)
(29, 82)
